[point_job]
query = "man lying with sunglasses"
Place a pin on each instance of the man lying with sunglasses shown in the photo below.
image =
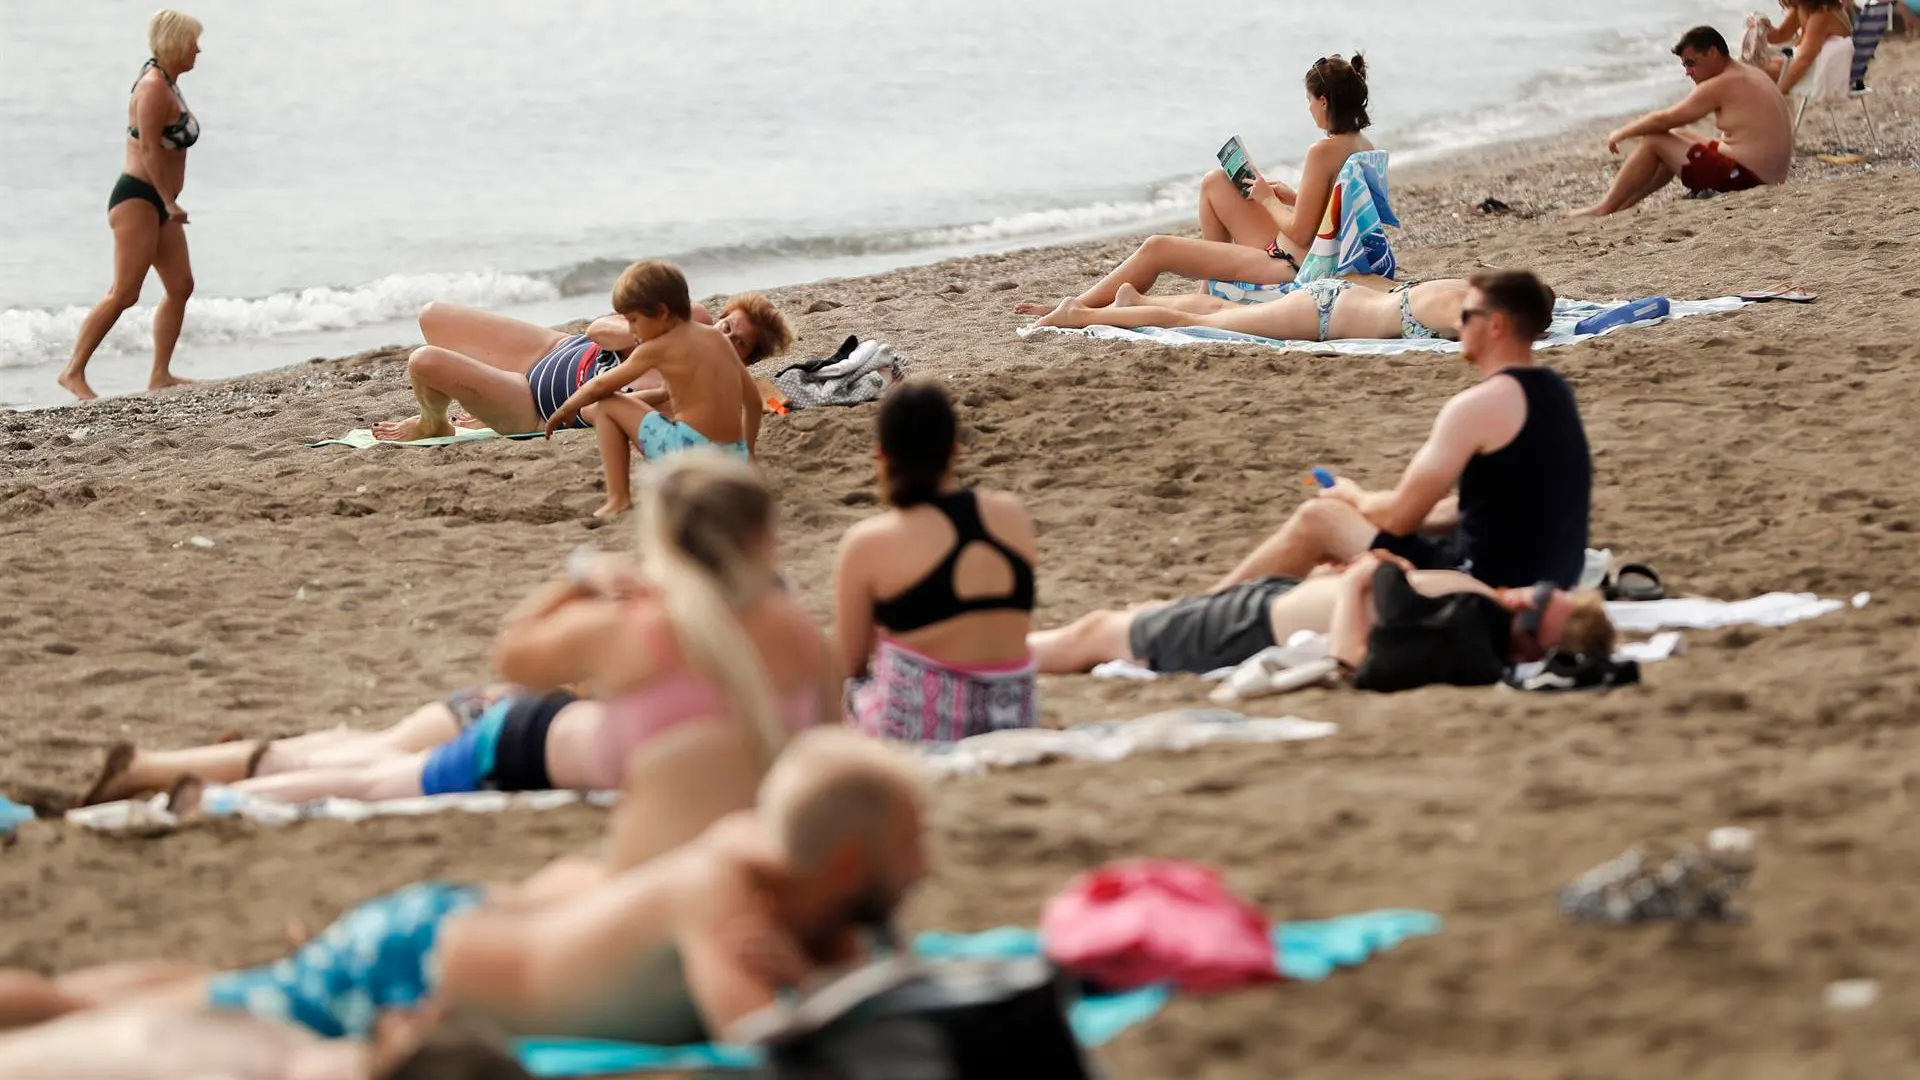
(1513, 446)
(1391, 627)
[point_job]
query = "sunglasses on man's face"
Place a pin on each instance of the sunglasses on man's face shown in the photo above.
(1468, 314)
(1689, 64)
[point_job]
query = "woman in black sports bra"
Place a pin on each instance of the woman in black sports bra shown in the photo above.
(934, 598)
(149, 227)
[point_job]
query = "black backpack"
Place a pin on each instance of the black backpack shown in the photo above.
(904, 1019)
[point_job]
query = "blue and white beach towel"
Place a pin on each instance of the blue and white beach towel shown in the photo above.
(1352, 238)
(1566, 314)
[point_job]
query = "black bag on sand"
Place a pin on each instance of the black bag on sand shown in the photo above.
(902, 1019)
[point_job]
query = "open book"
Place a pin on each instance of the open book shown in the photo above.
(1233, 158)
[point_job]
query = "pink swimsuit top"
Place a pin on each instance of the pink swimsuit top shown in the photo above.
(637, 717)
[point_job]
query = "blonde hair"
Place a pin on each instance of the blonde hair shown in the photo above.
(171, 34)
(771, 333)
(832, 784)
(699, 513)
(1587, 631)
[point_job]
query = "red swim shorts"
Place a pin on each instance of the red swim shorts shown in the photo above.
(1710, 170)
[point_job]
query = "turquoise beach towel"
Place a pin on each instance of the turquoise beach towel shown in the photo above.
(1304, 951)
(361, 438)
(1352, 238)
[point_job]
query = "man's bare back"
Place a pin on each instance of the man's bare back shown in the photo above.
(1755, 122)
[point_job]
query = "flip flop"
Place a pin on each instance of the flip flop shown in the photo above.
(1788, 293)
(1564, 671)
(1634, 581)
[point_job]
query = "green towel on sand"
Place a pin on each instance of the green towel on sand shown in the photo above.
(361, 438)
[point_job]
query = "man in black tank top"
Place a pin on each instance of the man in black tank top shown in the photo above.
(1513, 446)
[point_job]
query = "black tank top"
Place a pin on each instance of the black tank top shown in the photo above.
(1523, 508)
(932, 599)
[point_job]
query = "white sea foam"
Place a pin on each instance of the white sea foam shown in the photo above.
(33, 336)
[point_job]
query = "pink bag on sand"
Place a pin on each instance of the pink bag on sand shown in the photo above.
(1143, 921)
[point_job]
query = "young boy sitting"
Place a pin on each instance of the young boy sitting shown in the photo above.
(712, 391)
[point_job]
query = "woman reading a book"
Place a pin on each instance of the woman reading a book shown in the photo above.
(1261, 232)
(1279, 220)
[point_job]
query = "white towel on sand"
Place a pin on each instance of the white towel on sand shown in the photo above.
(1702, 613)
(1566, 314)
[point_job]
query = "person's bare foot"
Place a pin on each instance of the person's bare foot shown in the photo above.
(1595, 211)
(168, 381)
(75, 383)
(1031, 309)
(413, 427)
(1071, 314)
(183, 798)
(112, 784)
(1126, 296)
(466, 421)
(613, 508)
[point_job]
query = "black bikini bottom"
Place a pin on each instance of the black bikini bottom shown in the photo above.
(132, 187)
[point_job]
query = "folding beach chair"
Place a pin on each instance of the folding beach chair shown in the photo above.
(1871, 27)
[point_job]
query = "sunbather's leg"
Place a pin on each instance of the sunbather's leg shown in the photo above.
(495, 340)
(423, 729)
(1187, 257)
(497, 397)
(1197, 303)
(1321, 530)
(1646, 170)
(398, 778)
(1291, 318)
(1226, 217)
(1086, 642)
(616, 425)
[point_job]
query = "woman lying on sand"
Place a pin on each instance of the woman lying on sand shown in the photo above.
(1326, 310)
(675, 951)
(1260, 239)
(130, 772)
(511, 375)
(934, 598)
(1221, 629)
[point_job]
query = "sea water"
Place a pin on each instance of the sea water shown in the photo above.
(361, 157)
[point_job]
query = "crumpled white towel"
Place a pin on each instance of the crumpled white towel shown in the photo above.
(1704, 613)
(221, 801)
(1174, 730)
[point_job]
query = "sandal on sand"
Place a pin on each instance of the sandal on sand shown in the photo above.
(1634, 581)
(1785, 292)
(1563, 671)
(119, 760)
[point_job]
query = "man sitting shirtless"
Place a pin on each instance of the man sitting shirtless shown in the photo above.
(1755, 123)
(675, 951)
(512, 375)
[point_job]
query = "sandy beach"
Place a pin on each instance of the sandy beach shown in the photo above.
(1766, 449)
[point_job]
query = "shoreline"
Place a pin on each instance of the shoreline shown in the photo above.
(27, 388)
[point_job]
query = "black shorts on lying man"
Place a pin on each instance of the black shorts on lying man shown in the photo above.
(1395, 630)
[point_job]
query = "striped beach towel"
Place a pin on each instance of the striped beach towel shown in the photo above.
(1352, 238)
